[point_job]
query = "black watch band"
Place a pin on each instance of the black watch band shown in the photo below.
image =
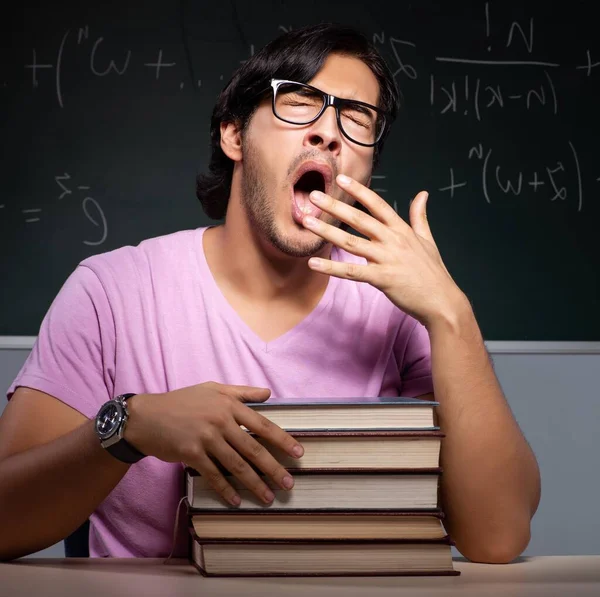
(125, 452)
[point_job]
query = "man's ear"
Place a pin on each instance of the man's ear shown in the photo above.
(231, 140)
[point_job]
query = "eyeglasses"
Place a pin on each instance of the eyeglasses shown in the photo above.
(298, 103)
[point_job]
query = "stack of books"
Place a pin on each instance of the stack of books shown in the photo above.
(364, 502)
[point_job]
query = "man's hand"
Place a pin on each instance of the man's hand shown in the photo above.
(197, 424)
(402, 261)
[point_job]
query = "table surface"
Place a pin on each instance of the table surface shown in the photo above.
(543, 576)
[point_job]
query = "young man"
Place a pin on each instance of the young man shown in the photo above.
(280, 302)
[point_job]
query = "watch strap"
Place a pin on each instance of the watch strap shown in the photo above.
(125, 452)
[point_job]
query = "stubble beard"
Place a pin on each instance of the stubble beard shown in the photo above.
(260, 211)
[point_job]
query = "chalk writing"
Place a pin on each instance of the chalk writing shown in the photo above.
(471, 93)
(112, 66)
(90, 206)
(99, 64)
(589, 65)
(29, 220)
(378, 189)
(406, 57)
(552, 180)
(159, 64)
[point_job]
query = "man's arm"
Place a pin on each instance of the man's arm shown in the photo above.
(490, 485)
(54, 472)
(491, 482)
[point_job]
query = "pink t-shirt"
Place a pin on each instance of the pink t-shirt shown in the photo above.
(151, 318)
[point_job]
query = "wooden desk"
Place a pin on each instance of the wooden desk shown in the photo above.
(551, 576)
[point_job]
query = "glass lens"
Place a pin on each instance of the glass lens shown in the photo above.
(297, 103)
(107, 419)
(360, 122)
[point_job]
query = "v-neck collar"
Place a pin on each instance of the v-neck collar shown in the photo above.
(223, 305)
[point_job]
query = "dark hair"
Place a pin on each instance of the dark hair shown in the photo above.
(297, 55)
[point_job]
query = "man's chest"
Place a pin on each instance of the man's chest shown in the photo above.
(269, 322)
(195, 337)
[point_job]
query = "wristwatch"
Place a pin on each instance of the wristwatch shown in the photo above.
(110, 427)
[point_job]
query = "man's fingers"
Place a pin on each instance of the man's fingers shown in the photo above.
(261, 425)
(242, 470)
(417, 214)
(215, 478)
(248, 393)
(260, 456)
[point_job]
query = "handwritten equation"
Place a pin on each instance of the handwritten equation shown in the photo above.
(560, 180)
(467, 93)
(91, 208)
(99, 65)
(473, 93)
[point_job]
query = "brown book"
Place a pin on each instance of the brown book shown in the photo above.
(350, 413)
(259, 525)
(362, 449)
(329, 489)
(321, 558)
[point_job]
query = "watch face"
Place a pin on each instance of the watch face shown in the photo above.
(108, 419)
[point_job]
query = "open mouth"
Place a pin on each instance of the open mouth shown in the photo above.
(310, 181)
(311, 178)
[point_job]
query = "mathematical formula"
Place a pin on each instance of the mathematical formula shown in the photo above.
(560, 180)
(90, 207)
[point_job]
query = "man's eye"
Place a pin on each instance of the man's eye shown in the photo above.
(303, 97)
(296, 102)
(359, 119)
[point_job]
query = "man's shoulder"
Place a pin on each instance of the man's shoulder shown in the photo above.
(159, 253)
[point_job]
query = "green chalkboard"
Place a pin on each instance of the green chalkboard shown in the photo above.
(105, 108)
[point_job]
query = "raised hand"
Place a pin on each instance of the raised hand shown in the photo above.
(403, 260)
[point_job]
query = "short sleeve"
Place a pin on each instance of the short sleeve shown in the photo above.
(413, 356)
(73, 356)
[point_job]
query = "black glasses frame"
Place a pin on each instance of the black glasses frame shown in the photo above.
(337, 103)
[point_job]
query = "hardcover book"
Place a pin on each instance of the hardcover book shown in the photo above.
(316, 558)
(256, 525)
(372, 449)
(329, 489)
(391, 413)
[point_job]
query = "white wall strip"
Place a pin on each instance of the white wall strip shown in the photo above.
(17, 342)
(493, 346)
(516, 347)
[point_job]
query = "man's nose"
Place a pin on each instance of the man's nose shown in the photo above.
(324, 133)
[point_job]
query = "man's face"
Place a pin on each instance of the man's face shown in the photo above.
(275, 153)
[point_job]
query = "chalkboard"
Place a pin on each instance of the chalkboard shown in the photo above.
(105, 112)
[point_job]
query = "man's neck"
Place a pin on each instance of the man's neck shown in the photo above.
(262, 274)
